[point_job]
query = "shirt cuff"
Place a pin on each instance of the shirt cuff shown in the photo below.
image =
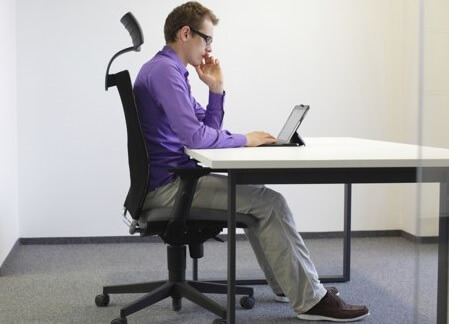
(216, 100)
(240, 139)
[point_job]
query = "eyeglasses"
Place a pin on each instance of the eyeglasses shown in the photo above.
(207, 39)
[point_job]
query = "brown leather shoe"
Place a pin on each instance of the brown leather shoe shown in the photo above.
(284, 299)
(334, 309)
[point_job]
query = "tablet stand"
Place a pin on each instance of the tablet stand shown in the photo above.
(297, 139)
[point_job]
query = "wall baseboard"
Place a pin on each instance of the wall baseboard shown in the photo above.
(239, 237)
(156, 239)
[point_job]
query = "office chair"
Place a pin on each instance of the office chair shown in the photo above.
(179, 226)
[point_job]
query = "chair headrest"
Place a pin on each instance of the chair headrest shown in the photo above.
(132, 25)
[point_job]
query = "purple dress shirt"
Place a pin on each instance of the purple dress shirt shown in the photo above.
(171, 119)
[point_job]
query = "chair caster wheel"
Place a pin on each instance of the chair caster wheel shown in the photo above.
(119, 320)
(219, 321)
(102, 300)
(247, 302)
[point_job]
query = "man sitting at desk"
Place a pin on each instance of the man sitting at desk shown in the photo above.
(171, 119)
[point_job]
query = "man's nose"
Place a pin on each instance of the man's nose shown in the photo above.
(208, 48)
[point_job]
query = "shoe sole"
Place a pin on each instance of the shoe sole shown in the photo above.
(281, 299)
(308, 317)
(284, 299)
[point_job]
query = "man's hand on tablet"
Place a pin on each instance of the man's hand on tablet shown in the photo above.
(259, 138)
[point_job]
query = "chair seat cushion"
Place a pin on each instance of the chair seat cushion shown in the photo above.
(198, 215)
(208, 222)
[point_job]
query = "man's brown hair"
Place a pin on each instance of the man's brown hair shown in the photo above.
(190, 14)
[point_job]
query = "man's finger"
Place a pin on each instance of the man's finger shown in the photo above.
(198, 70)
(208, 59)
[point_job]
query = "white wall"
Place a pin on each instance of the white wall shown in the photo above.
(9, 228)
(345, 58)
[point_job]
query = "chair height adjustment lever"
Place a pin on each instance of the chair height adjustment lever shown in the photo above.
(131, 223)
(134, 227)
(125, 218)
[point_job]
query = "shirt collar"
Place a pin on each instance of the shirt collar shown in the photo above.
(170, 53)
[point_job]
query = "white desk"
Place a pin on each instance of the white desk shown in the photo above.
(324, 152)
(334, 160)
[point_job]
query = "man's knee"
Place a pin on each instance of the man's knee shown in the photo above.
(276, 198)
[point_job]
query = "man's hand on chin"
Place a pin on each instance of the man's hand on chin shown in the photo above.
(209, 71)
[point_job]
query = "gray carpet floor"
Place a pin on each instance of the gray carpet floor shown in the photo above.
(394, 277)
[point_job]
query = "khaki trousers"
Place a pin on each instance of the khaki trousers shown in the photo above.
(279, 249)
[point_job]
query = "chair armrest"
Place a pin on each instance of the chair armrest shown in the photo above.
(177, 226)
(186, 190)
(191, 172)
(196, 172)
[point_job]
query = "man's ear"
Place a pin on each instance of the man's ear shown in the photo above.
(184, 33)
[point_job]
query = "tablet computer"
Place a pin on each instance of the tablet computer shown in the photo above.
(288, 135)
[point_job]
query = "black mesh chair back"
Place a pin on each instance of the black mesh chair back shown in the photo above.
(138, 160)
(137, 152)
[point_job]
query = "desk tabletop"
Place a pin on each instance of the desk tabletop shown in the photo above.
(324, 152)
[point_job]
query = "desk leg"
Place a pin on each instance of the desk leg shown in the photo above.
(443, 258)
(347, 234)
(230, 314)
(346, 240)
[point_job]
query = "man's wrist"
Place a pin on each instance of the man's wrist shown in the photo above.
(217, 89)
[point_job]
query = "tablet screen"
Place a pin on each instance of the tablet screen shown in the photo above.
(293, 122)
